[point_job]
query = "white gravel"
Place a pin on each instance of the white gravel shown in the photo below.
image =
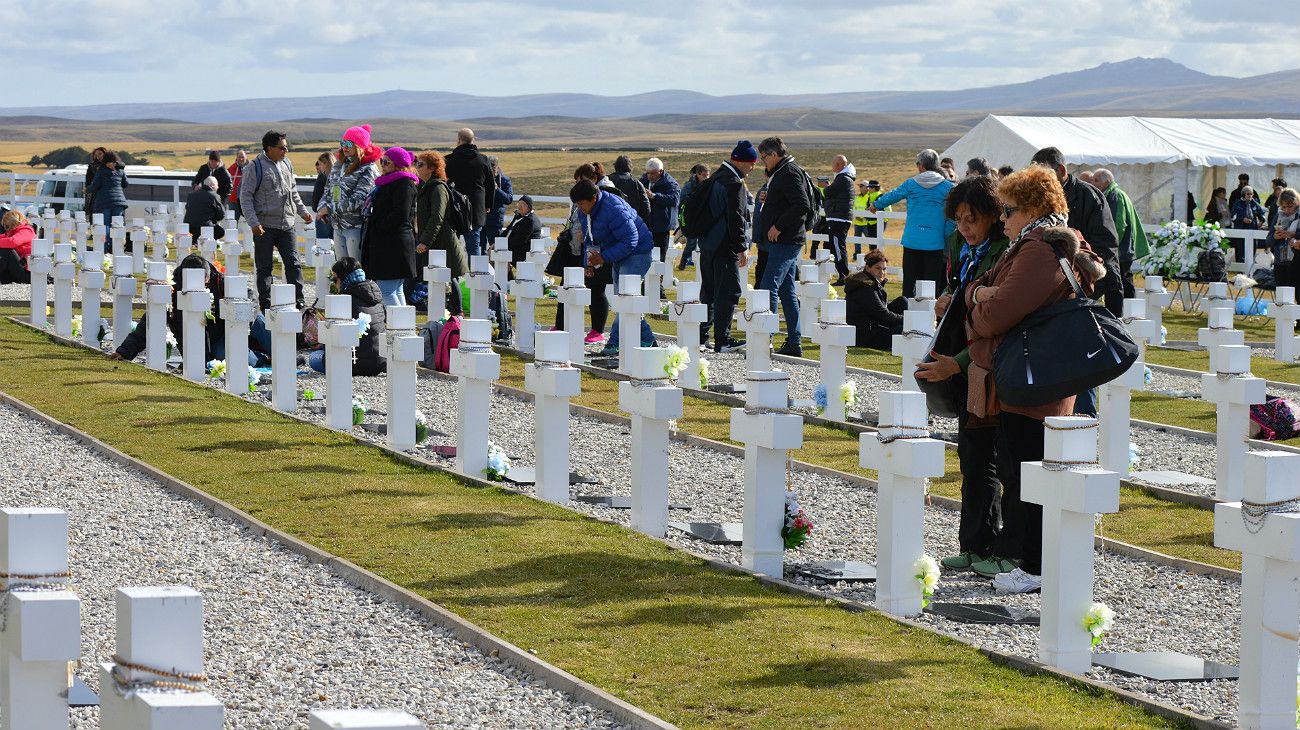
(282, 636)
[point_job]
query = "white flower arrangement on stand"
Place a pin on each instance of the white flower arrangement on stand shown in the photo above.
(1176, 248)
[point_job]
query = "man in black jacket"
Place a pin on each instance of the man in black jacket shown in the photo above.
(214, 168)
(724, 250)
(784, 223)
(839, 213)
(471, 174)
(1091, 216)
(631, 188)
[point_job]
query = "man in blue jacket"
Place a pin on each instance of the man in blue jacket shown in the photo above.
(613, 233)
(926, 228)
(665, 194)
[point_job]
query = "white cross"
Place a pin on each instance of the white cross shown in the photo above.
(627, 300)
(689, 313)
(157, 297)
(500, 257)
(363, 720)
(1233, 391)
(1219, 331)
(833, 338)
(654, 281)
(40, 264)
(923, 300)
(42, 618)
(825, 264)
(759, 323)
(1270, 585)
(159, 627)
(1114, 398)
(139, 239)
(124, 287)
(552, 383)
(184, 242)
(238, 313)
(1286, 312)
(811, 292)
(65, 271)
(1072, 495)
(575, 296)
(403, 349)
(340, 334)
(475, 366)
(651, 400)
(537, 252)
(195, 302)
(481, 283)
(527, 289)
(438, 277)
(904, 456)
(157, 235)
(768, 431)
(914, 344)
(285, 322)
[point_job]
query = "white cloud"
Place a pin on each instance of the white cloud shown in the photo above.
(102, 51)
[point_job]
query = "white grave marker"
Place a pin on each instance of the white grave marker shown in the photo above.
(403, 349)
(285, 322)
(231, 251)
(1219, 331)
(914, 344)
(195, 302)
(1233, 391)
(553, 381)
(651, 400)
(438, 277)
(904, 456)
(475, 365)
(834, 338)
(159, 644)
(654, 281)
(1153, 291)
(92, 286)
(363, 720)
(630, 305)
(759, 323)
(923, 299)
(811, 292)
(1286, 312)
(322, 258)
(768, 430)
(158, 295)
(123, 286)
(65, 271)
(481, 283)
(238, 311)
(1115, 397)
(501, 256)
(689, 313)
(1073, 492)
(575, 296)
(339, 333)
(526, 289)
(41, 265)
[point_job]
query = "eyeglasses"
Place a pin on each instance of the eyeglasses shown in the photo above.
(384, 161)
(347, 144)
(419, 164)
(1009, 210)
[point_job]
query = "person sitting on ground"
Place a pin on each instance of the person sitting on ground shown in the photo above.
(867, 307)
(214, 330)
(203, 208)
(15, 248)
(349, 278)
(523, 228)
(973, 249)
(617, 237)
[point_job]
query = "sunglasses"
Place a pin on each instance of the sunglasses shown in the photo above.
(385, 161)
(347, 144)
(1009, 210)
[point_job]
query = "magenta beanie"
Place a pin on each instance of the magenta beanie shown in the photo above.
(359, 136)
(399, 157)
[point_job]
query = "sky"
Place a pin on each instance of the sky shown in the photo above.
(107, 51)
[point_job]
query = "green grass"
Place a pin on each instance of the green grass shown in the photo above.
(697, 646)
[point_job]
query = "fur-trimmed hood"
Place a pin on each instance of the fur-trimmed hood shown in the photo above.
(1067, 240)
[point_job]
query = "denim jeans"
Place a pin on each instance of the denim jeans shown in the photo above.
(282, 241)
(257, 333)
(778, 280)
(394, 296)
(316, 360)
(347, 242)
(472, 242)
(108, 226)
(324, 230)
(691, 245)
(638, 264)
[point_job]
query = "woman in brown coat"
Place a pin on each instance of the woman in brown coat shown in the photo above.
(1027, 278)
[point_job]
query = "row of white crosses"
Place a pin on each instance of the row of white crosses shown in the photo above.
(1233, 390)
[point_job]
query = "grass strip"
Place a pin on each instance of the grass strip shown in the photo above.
(697, 646)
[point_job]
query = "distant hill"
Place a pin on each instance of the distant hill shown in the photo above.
(1138, 85)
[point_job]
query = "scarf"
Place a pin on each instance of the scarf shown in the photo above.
(970, 260)
(1047, 221)
(351, 280)
(396, 175)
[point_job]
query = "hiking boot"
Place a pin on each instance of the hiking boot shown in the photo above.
(1017, 581)
(793, 349)
(993, 566)
(961, 561)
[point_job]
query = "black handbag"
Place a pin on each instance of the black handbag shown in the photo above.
(1062, 350)
(947, 398)
(563, 255)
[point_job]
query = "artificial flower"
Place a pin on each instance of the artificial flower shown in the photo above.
(797, 527)
(216, 369)
(421, 427)
(849, 393)
(926, 571)
(819, 398)
(1098, 621)
(358, 410)
(704, 374)
(678, 359)
(498, 464)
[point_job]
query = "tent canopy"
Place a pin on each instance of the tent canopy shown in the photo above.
(1157, 159)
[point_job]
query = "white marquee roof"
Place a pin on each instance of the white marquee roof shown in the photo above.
(1006, 140)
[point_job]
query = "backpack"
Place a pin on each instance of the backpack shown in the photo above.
(1276, 418)
(815, 197)
(697, 214)
(460, 215)
(1211, 266)
(448, 340)
(500, 315)
(431, 332)
(311, 317)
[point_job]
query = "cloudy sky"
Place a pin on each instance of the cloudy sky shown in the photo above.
(103, 51)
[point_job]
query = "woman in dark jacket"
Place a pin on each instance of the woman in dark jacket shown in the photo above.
(323, 165)
(388, 231)
(431, 201)
(109, 192)
(867, 306)
(523, 228)
(349, 278)
(96, 162)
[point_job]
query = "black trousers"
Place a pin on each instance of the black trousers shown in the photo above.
(761, 264)
(1019, 439)
(217, 230)
(838, 233)
(922, 266)
(720, 291)
(282, 241)
(981, 508)
(12, 270)
(661, 243)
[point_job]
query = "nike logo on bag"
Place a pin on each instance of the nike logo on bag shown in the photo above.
(1093, 354)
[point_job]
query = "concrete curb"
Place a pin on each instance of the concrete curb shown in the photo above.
(554, 676)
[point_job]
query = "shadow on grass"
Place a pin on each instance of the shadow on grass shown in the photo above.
(678, 614)
(318, 469)
(117, 381)
(469, 520)
(831, 672)
(250, 446)
(165, 399)
(189, 421)
(364, 492)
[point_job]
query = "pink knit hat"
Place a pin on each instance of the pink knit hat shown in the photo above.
(399, 157)
(359, 136)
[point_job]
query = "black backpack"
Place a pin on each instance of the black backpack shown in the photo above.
(815, 197)
(460, 215)
(697, 215)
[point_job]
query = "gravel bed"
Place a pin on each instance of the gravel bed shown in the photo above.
(1203, 621)
(281, 636)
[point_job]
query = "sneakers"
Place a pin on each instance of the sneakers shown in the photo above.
(1017, 581)
(609, 351)
(594, 337)
(732, 345)
(793, 349)
(961, 561)
(993, 566)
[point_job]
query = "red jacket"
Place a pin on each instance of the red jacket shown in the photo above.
(19, 238)
(236, 175)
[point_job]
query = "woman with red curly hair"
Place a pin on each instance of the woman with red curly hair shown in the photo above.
(432, 230)
(1027, 278)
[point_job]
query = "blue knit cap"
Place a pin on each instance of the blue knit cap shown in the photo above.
(744, 152)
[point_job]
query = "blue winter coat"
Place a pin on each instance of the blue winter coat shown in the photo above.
(926, 228)
(108, 189)
(615, 229)
(665, 195)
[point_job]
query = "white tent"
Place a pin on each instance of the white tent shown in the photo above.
(1156, 160)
